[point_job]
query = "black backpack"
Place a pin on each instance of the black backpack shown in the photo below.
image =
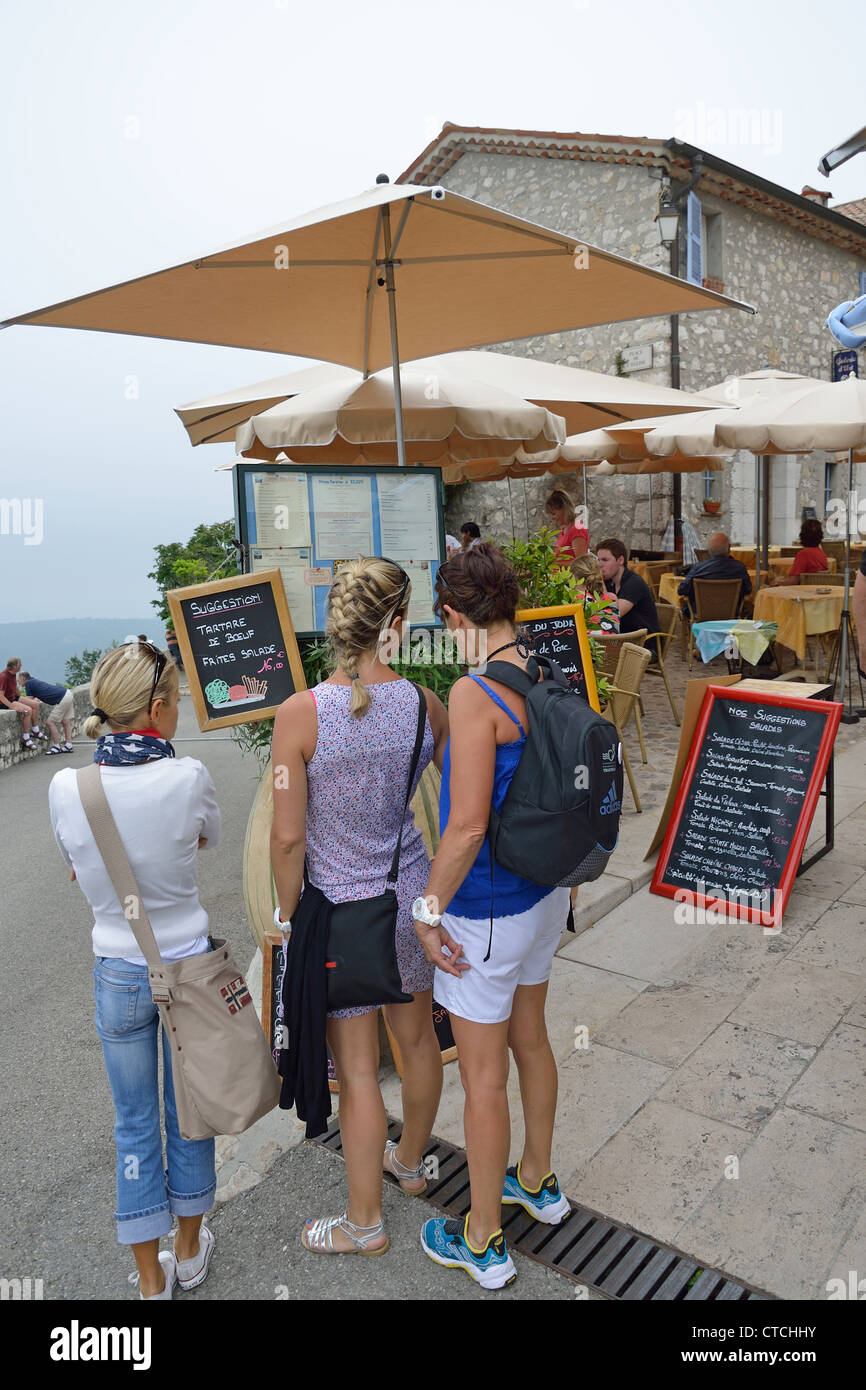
(559, 821)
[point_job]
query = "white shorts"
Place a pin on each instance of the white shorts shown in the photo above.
(521, 954)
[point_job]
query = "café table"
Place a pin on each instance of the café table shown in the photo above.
(747, 637)
(800, 611)
(746, 554)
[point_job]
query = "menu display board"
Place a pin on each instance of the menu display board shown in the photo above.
(746, 802)
(301, 520)
(238, 647)
(560, 633)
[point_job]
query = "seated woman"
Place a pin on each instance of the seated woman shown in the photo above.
(602, 613)
(492, 936)
(811, 559)
(573, 539)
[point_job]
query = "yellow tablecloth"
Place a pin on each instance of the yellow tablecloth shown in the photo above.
(746, 554)
(668, 585)
(800, 612)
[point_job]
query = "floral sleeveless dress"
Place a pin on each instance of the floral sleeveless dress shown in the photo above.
(356, 787)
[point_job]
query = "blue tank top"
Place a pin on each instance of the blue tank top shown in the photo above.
(511, 893)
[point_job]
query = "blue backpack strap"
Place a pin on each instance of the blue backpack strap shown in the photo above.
(499, 701)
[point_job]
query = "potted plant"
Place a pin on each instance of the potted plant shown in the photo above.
(711, 505)
(544, 584)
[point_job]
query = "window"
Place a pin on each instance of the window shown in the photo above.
(713, 261)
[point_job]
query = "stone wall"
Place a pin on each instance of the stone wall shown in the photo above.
(11, 724)
(792, 278)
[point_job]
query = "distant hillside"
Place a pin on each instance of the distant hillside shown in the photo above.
(45, 646)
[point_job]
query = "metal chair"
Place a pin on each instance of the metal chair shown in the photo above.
(625, 693)
(669, 618)
(715, 600)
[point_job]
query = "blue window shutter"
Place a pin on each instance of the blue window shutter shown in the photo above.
(863, 281)
(694, 257)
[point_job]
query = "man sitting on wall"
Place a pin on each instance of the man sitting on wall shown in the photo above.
(634, 597)
(718, 565)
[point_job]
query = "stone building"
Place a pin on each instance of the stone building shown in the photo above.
(788, 254)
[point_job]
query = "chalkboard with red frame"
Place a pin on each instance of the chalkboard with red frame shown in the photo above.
(746, 802)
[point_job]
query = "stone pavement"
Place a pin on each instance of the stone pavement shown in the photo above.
(712, 1077)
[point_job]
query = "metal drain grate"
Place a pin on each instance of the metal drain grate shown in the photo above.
(587, 1248)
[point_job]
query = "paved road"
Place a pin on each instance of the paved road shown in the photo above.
(56, 1114)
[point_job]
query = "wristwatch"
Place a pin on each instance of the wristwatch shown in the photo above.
(284, 927)
(422, 913)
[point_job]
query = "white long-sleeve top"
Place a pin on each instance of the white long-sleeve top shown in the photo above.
(161, 808)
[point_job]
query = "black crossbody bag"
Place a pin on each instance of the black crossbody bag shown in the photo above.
(361, 956)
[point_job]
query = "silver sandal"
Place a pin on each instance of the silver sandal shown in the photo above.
(319, 1236)
(401, 1173)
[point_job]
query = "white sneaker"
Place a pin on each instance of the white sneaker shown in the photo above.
(167, 1260)
(194, 1271)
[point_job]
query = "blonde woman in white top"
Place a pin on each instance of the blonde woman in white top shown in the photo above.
(165, 809)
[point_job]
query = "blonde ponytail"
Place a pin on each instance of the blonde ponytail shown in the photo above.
(120, 686)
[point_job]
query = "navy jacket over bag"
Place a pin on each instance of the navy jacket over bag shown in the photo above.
(303, 1061)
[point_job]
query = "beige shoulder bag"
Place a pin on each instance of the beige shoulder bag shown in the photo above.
(224, 1075)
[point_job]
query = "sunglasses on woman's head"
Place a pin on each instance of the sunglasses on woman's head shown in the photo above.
(160, 663)
(406, 581)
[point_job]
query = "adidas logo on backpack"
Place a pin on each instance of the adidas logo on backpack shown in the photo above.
(555, 828)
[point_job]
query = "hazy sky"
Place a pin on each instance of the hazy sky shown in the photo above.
(139, 136)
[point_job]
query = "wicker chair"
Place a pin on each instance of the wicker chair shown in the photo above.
(625, 692)
(824, 577)
(669, 618)
(612, 642)
(715, 600)
(701, 554)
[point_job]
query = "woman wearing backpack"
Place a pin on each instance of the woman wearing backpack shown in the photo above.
(493, 980)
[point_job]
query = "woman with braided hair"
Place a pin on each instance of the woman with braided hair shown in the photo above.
(346, 746)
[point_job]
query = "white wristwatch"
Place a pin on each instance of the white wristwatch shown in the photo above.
(422, 913)
(284, 927)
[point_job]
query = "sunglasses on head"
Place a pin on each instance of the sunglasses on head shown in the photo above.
(406, 581)
(160, 663)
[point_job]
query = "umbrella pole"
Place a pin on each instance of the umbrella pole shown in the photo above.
(391, 290)
(849, 714)
(757, 524)
(650, 506)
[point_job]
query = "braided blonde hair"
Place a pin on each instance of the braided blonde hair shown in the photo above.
(362, 605)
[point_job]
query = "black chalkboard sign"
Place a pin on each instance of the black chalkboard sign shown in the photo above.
(746, 802)
(560, 633)
(238, 647)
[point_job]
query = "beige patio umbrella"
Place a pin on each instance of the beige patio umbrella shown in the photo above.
(581, 397)
(451, 420)
(828, 415)
(326, 285)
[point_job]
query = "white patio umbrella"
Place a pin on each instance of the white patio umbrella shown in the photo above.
(828, 415)
(582, 398)
(325, 285)
(356, 424)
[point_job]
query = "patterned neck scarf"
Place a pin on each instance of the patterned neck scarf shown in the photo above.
(115, 750)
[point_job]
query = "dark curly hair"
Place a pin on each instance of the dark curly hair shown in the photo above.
(479, 583)
(811, 533)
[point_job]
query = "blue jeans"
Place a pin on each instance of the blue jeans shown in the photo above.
(127, 1021)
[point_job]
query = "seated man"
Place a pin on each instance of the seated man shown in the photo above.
(24, 705)
(634, 597)
(718, 565)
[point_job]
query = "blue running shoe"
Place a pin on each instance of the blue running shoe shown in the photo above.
(545, 1203)
(446, 1242)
